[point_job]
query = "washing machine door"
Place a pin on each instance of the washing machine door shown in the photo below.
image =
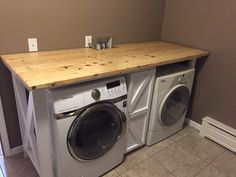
(174, 105)
(95, 131)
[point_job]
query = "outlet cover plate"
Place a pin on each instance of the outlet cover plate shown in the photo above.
(88, 40)
(33, 44)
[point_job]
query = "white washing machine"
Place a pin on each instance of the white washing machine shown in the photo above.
(89, 127)
(169, 104)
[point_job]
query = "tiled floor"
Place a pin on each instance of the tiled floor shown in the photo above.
(185, 154)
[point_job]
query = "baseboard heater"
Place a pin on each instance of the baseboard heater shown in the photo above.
(219, 132)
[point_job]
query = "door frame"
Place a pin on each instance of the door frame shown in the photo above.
(3, 133)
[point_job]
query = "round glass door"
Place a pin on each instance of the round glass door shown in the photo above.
(174, 105)
(95, 131)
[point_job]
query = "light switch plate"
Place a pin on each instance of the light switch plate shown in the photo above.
(33, 44)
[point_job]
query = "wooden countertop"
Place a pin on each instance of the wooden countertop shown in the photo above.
(63, 67)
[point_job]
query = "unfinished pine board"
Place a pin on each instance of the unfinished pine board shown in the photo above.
(48, 69)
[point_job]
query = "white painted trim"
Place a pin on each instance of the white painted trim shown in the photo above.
(16, 150)
(221, 125)
(193, 124)
(219, 132)
(3, 133)
(26, 115)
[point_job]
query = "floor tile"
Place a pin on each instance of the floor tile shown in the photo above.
(148, 168)
(186, 154)
(184, 132)
(210, 172)
(131, 161)
(226, 163)
(179, 161)
(201, 147)
(18, 166)
(112, 173)
(7, 169)
(152, 150)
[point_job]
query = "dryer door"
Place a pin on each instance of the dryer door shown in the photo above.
(174, 105)
(95, 131)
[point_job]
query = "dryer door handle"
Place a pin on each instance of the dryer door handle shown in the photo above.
(68, 114)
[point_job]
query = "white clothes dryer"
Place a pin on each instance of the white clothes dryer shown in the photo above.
(169, 104)
(89, 127)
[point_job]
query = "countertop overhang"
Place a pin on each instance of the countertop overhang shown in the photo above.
(42, 70)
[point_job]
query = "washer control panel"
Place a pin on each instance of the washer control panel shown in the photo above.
(109, 89)
(77, 96)
(167, 81)
(115, 87)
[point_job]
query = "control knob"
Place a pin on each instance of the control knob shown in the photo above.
(96, 94)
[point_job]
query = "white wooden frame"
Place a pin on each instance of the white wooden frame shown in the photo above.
(139, 114)
(3, 133)
(35, 127)
(8, 151)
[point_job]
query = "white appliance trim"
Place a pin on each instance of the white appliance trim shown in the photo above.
(219, 132)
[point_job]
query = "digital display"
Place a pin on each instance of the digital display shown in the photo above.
(113, 84)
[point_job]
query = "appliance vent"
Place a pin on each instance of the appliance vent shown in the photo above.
(219, 132)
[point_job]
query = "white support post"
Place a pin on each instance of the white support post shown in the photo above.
(3, 133)
(193, 63)
(42, 130)
(21, 104)
(35, 127)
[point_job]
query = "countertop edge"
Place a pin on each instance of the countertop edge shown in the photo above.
(203, 53)
(108, 74)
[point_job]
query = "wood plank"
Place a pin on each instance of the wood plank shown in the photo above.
(63, 67)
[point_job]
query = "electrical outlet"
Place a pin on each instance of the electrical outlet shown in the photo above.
(33, 44)
(88, 40)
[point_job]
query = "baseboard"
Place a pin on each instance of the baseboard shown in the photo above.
(16, 150)
(193, 124)
(219, 132)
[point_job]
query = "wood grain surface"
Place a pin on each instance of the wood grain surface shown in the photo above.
(48, 69)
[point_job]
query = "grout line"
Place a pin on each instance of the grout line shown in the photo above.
(133, 166)
(166, 169)
(208, 163)
(218, 158)
(163, 149)
(173, 142)
(176, 143)
(199, 157)
(149, 157)
(194, 154)
(136, 164)
(160, 162)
